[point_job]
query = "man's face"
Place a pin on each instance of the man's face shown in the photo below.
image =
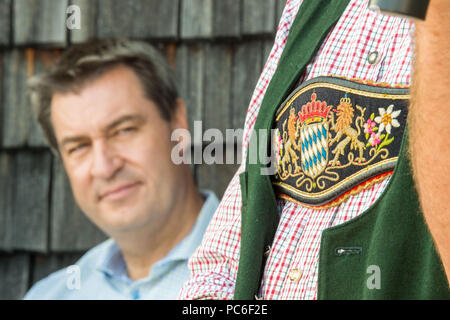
(116, 150)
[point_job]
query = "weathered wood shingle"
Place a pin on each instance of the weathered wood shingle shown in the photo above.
(14, 275)
(15, 124)
(259, 17)
(206, 19)
(38, 61)
(267, 48)
(70, 229)
(5, 22)
(189, 75)
(247, 65)
(138, 19)
(215, 177)
(196, 19)
(19, 126)
(40, 22)
(227, 18)
(43, 265)
(7, 178)
(31, 200)
(88, 28)
(280, 7)
(2, 94)
(217, 104)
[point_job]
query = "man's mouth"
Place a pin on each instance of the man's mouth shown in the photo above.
(119, 192)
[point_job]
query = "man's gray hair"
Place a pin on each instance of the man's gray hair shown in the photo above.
(86, 62)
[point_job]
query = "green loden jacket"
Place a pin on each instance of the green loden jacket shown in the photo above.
(390, 240)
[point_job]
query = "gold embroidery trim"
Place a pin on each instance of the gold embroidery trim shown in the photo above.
(352, 177)
(373, 83)
(344, 197)
(340, 88)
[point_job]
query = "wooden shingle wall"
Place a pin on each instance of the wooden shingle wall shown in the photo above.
(217, 49)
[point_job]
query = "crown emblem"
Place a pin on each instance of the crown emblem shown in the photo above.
(315, 110)
(346, 100)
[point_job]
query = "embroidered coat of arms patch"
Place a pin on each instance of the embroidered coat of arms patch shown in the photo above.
(335, 137)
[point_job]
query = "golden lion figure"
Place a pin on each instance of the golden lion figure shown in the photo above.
(290, 144)
(345, 113)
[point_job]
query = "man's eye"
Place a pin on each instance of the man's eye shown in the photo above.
(76, 148)
(125, 130)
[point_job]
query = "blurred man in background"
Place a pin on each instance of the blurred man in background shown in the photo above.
(108, 109)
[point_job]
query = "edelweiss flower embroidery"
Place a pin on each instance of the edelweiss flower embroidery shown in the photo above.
(387, 119)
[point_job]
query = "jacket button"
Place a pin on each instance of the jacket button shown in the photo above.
(295, 275)
(373, 58)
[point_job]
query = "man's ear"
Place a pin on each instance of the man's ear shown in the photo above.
(179, 118)
(180, 131)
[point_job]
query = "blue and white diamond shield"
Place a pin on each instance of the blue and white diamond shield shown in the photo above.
(314, 147)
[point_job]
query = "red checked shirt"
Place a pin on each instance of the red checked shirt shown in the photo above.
(363, 45)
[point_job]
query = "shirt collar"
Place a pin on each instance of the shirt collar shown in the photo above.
(111, 261)
(186, 247)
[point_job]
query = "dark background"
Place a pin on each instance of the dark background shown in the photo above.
(217, 49)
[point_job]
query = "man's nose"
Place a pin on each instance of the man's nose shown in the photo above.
(106, 161)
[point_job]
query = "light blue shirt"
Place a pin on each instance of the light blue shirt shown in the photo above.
(101, 273)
